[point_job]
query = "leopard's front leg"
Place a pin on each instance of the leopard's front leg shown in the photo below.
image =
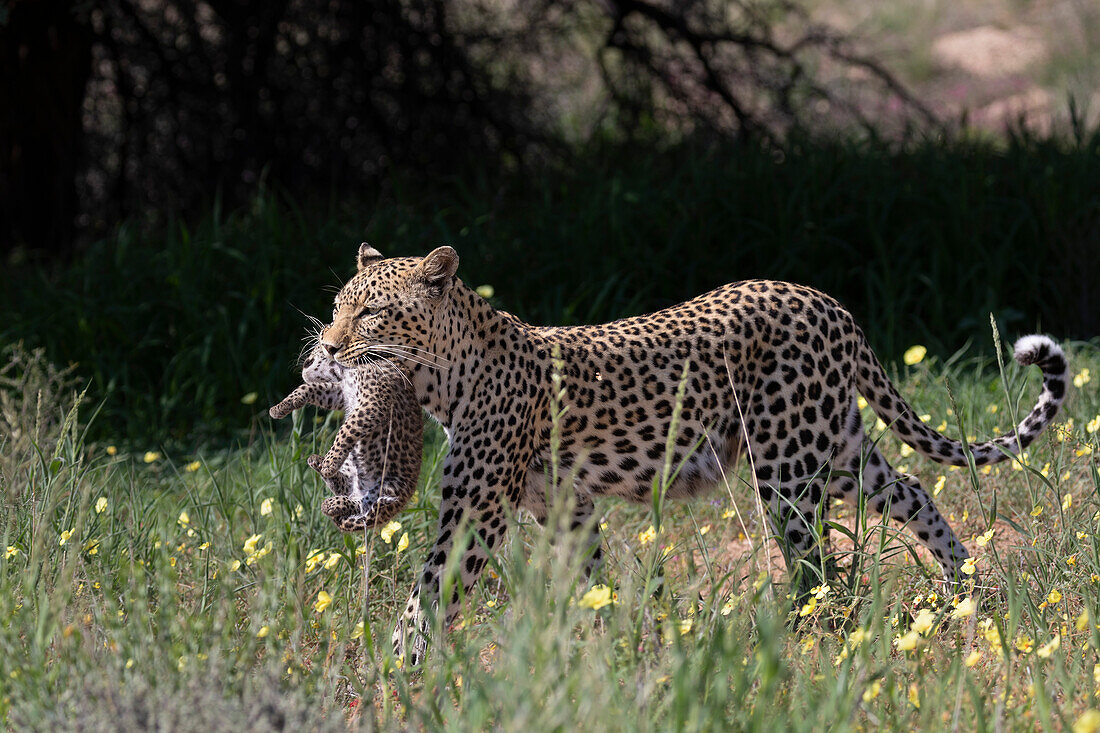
(475, 489)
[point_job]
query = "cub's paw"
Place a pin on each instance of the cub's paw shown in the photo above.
(281, 410)
(330, 466)
(338, 507)
(314, 462)
(351, 523)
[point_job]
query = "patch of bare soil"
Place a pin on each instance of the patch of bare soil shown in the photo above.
(751, 555)
(987, 51)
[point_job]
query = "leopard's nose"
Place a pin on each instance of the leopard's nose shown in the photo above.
(330, 348)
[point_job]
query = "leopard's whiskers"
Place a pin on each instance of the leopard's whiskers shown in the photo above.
(415, 358)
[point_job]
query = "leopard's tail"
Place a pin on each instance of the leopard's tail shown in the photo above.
(876, 388)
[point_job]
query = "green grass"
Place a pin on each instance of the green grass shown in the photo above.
(158, 610)
(152, 613)
(173, 327)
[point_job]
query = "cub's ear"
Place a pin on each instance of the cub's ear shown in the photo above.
(437, 270)
(367, 255)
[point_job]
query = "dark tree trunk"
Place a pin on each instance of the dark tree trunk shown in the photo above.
(45, 59)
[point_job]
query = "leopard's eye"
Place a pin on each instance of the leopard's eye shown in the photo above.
(370, 310)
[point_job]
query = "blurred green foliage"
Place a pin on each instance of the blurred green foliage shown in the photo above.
(175, 327)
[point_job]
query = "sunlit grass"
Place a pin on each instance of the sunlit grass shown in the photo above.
(139, 585)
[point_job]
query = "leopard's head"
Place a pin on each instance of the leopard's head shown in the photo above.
(388, 308)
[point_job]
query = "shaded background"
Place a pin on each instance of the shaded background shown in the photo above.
(180, 181)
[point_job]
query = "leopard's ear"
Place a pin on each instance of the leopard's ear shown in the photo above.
(437, 270)
(367, 255)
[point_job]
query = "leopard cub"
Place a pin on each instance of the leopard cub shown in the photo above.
(373, 465)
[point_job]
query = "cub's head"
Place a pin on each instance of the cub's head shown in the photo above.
(387, 309)
(319, 366)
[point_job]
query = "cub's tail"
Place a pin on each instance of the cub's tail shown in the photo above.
(876, 388)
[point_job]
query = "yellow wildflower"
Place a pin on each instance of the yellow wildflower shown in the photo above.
(861, 403)
(101, 505)
(1088, 722)
(704, 529)
(249, 398)
(1067, 502)
(685, 626)
(807, 609)
(906, 450)
(266, 506)
(968, 566)
(729, 513)
(972, 658)
(389, 530)
(923, 622)
(914, 355)
(872, 691)
(983, 539)
(65, 537)
(965, 608)
(1082, 621)
(235, 565)
(151, 456)
(1082, 378)
(1037, 510)
(112, 450)
(403, 543)
(820, 591)
(1025, 643)
(914, 695)
(184, 519)
(1093, 425)
(647, 535)
(941, 481)
(193, 466)
(315, 558)
(333, 558)
(485, 291)
(250, 544)
(1050, 647)
(727, 607)
(992, 407)
(596, 598)
(856, 637)
(1054, 597)
(91, 547)
(11, 552)
(358, 631)
(262, 632)
(324, 600)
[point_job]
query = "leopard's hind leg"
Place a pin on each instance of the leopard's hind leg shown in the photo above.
(886, 491)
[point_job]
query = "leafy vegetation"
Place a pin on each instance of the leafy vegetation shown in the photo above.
(174, 327)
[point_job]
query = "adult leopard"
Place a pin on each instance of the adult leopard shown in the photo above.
(773, 370)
